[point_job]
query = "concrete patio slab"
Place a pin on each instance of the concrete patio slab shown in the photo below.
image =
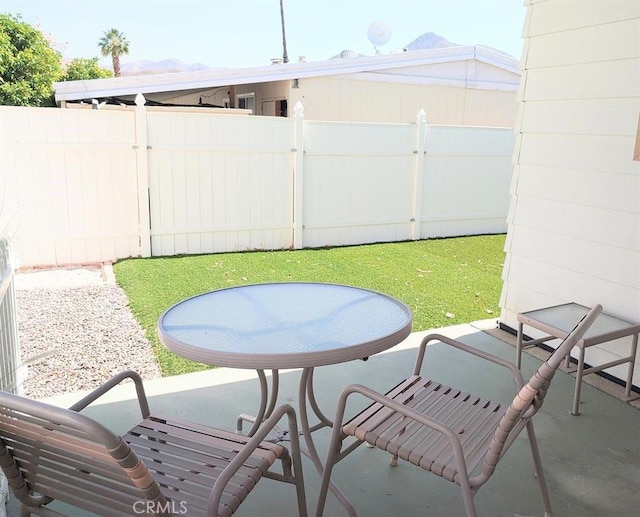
(590, 461)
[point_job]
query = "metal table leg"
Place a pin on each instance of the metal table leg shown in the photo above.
(519, 347)
(268, 399)
(306, 390)
(632, 363)
(324, 421)
(267, 402)
(575, 409)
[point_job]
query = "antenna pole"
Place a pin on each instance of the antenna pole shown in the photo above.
(285, 57)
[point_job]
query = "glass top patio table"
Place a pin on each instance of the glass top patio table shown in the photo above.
(284, 325)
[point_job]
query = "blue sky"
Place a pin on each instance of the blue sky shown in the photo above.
(236, 33)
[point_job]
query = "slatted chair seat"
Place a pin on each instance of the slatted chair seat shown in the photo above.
(473, 418)
(159, 467)
(453, 434)
(186, 459)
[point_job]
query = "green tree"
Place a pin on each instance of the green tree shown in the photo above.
(28, 64)
(114, 43)
(82, 68)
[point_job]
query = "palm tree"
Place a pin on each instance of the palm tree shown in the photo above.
(115, 44)
(285, 57)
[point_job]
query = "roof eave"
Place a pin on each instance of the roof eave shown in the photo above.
(131, 85)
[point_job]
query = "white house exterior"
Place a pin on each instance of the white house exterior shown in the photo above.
(574, 220)
(459, 85)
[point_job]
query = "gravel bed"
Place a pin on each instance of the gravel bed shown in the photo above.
(76, 338)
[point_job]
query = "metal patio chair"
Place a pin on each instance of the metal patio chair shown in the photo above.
(159, 467)
(455, 435)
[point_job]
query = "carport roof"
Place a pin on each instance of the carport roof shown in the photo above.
(211, 78)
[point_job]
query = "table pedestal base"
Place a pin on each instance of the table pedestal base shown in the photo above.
(268, 400)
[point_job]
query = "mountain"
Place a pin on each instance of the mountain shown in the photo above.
(429, 40)
(432, 40)
(159, 67)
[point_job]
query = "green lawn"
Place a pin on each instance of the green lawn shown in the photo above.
(444, 281)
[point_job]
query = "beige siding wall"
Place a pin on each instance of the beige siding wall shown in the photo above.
(574, 223)
(340, 99)
(468, 93)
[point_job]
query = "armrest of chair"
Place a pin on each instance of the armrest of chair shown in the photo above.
(246, 451)
(114, 381)
(517, 374)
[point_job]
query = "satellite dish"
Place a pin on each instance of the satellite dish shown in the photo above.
(379, 33)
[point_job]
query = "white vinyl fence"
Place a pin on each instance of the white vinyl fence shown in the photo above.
(69, 185)
(219, 183)
(85, 186)
(10, 364)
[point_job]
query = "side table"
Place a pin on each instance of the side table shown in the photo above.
(558, 321)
